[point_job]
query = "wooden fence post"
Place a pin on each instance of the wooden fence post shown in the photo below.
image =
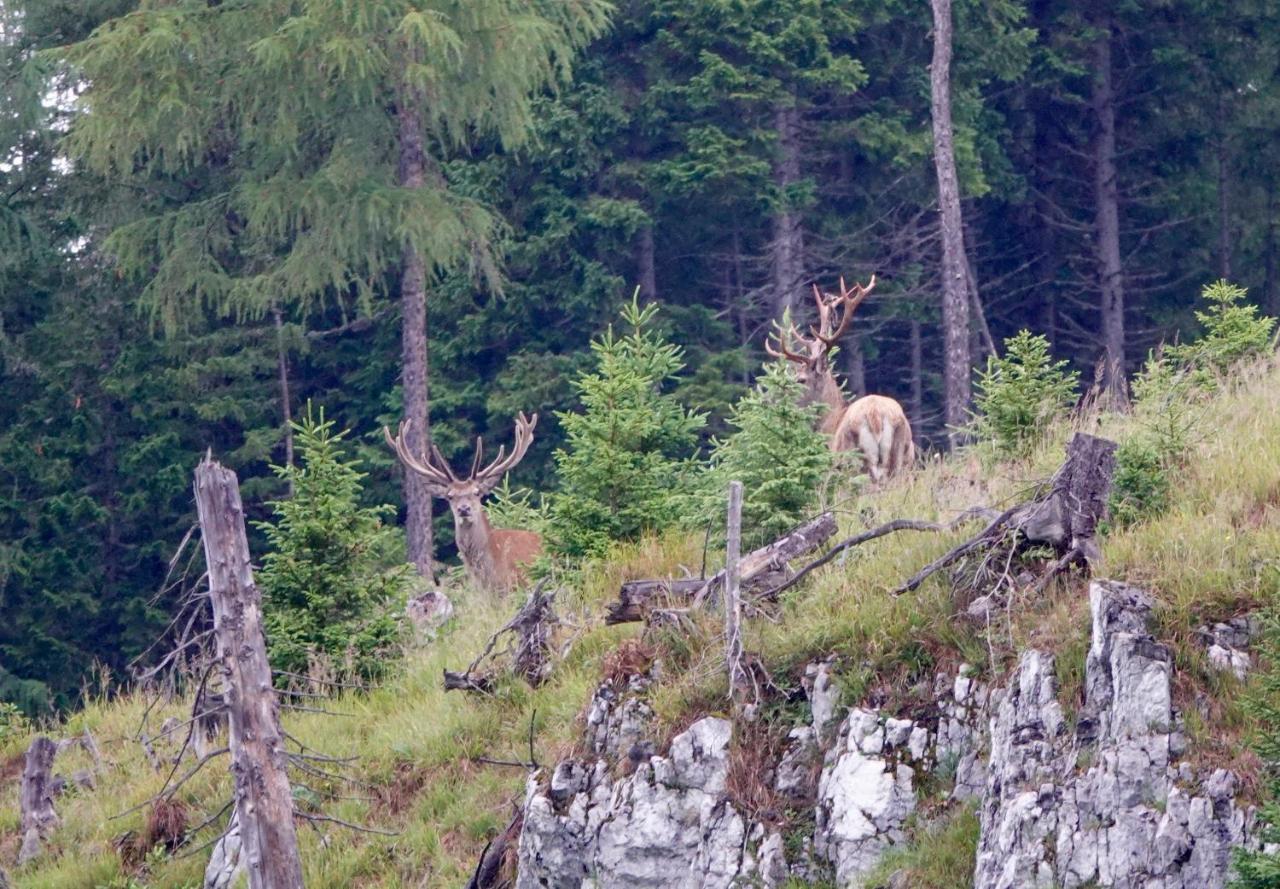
(733, 593)
(263, 801)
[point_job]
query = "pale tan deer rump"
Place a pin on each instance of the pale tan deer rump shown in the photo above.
(875, 425)
(495, 558)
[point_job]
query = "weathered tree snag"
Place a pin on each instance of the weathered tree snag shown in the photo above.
(1064, 517)
(955, 283)
(264, 802)
(35, 798)
(760, 572)
(532, 626)
(489, 870)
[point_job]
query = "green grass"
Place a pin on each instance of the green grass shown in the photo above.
(939, 853)
(1212, 556)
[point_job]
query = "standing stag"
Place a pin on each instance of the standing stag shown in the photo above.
(495, 557)
(874, 424)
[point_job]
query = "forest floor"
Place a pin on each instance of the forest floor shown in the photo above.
(1212, 556)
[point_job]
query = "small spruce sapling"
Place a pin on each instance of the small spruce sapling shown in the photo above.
(776, 453)
(1020, 393)
(334, 581)
(628, 450)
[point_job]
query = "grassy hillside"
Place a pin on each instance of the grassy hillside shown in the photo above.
(1211, 556)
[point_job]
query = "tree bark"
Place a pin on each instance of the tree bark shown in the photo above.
(1270, 292)
(759, 571)
(856, 366)
(286, 406)
(917, 377)
(1107, 222)
(263, 800)
(1224, 205)
(957, 365)
(415, 368)
(35, 797)
(788, 236)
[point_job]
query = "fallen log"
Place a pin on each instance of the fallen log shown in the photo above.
(1064, 517)
(760, 572)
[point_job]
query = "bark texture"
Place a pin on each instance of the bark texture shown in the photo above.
(1107, 219)
(955, 283)
(35, 797)
(415, 369)
(263, 800)
(788, 236)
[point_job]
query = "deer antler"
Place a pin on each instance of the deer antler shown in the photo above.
(435, 470)
(848, 300)
(503, 463)
(784, 336)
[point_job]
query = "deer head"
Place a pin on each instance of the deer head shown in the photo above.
(813, 357)
(488, 554)
(464, 494)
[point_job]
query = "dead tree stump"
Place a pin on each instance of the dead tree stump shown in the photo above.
(263, 801)
(1064, 517)
(35, 798)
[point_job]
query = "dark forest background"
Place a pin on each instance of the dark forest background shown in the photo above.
(720, 155)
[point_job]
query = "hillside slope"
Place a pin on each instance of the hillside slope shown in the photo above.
(1210, 558)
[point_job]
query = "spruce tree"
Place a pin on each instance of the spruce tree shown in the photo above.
(300, 150)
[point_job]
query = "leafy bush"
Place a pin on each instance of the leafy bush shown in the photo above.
(627, 451)
(1020, 393)
(332, 585)
(777, 455)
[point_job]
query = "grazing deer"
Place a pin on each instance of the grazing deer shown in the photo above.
(495, 557)
(874, 424)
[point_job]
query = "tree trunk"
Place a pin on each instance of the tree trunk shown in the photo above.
(263, 800)
(955, 288)
(788, 237)
(917, 377)
(1224, 205)
(646, 259)
(1270, 291)
(1107, 224)
(856, 366)
(286, 407)
(414, 372)
(35, 798)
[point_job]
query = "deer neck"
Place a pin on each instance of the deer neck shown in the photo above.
(475, 545)
(831, 397)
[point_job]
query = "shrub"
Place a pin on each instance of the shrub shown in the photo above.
(1233, 332)
(13, 721)
(1020, 393)
(332, 585)
(776, 453)
(1142, 486)
(628, 450)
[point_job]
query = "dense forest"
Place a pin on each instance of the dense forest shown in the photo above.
(214, 214)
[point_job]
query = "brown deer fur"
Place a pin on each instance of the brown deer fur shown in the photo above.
(495, 558)
(875, 425)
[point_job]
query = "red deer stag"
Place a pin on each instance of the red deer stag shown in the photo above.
(495, 557)
(874, 424)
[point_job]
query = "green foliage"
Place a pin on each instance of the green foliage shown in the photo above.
(1169, 395)
(13, 721)
(1233, 332)
(937, 856)
(331, 583)
(628, 451)
(1020, 393)
(1142, 484)
(775, 452)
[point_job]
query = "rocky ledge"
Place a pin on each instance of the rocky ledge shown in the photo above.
(1106, 801)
